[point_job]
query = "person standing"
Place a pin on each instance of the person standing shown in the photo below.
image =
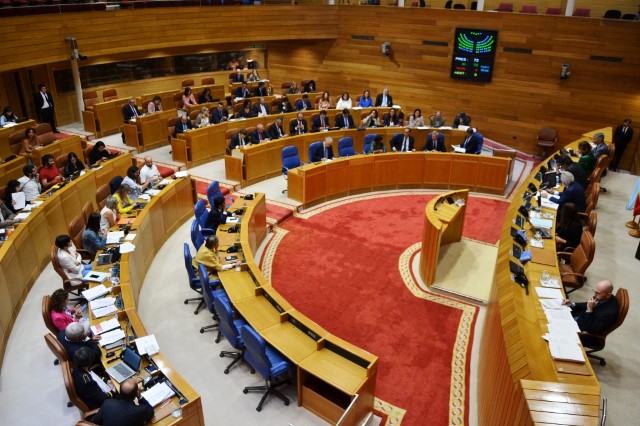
(44, 106)
(621, 138)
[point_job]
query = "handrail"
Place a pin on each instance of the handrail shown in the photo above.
(349, 408)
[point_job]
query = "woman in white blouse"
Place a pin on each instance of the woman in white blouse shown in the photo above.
(69, 259)
(344, 102)
(109, 215)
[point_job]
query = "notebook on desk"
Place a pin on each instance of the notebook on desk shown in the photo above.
(129, 366)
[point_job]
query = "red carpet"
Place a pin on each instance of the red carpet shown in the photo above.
(346, 278)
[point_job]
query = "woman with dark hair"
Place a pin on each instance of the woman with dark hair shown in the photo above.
(69, 259)
(98, 153)
(344, 101)
(13, 186)
(7, 116)
(569, 229)
(392, 119)
(155, 105)
(325, 101)
(587, 161)
(92, 238)
(416, 119)
(286, 106)
(365, 100)
(371, 120)
(61, 314)
(246, 111)
(187, 98)
(205, 97)
(74, 165)
(30, 141)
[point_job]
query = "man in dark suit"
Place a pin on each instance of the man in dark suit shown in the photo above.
(621, 138)
(240, 140)
(573, 193)
(182, 125)
(344, 120)
(323, 152)
(74, 337)
(242, 91)
(579, 175)
(599, 313)
(259, 135)
(384, 99)
(260, 90)
(402, 142)
(124, 411)
(261, 108)
(237, 77)
(462, 119)
(276, 131)
(219, 114)
(321, 122)
(217, 215)
(130, 111)
(44, 105)
(435, 142)
(304, 103)
(298, 126)
(471, 142)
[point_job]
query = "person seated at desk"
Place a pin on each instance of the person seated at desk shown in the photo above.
(188, 99)
(149, 172)
(109, 215)
(218, 214)
(286, 106)
(325, 101)
(155, 105)
(462, 119)
(365, 100)
(131, 179)
(437, 120)
(49, 173)
(239, 140)
(261, 108)
(202, 120)
(76, 337)
(471, 141)
(377, 146)
(254, 76)
(384, 99)
(321, 122)
(13, 186)
(131, 111)
(371, 120)
(69, 259)
(587, 161)
(276, 131)
(238, 77)
(123, 411)
(220, 114)
(30, 183)
(580, 176)
(125, 204)
(569, 229)
(309, 87)
(182, 126)
(304, 103)
(243, 91)
(598, 313)
(73, 166)
(416, 119)
(85, 383)
(345, 120)
(298, 125)
(205, 97)
(402, 143)
(30, 142)
(246, 111)
(600, 148)
(99, 153)
(392, 118)
(435, 142)
(6, 216)
(92, 238)
(208, 256)
(323, 152)
(344, 102)
(259, 135)
(573, 193)
(61, 314)
(7, 116)
(260, 90)
(294, 89)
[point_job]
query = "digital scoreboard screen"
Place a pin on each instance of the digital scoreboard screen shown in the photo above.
(473, 54)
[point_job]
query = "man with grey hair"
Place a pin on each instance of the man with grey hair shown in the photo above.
(601, 148)
(572, 193)
(323, 151)
(75, 336)
(384, 99)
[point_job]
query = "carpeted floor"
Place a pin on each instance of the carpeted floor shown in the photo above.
(349, 279)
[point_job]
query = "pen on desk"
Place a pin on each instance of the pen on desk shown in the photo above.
(164, 405)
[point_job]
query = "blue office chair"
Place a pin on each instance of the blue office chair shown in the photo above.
(230, 328)
(345, 147)
(368, 140)
(213, 192)
(481, 137)
(268, 362)
(200, 212)
(209, 293)
(312, 147)
(197, 239)
(290, 160)
(194, 282)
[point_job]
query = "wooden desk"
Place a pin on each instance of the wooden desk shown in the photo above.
(105, 118)
(519, 383)
(217, 92)
(6, 132)
(149, 131)
(443, 224)
(330, 371)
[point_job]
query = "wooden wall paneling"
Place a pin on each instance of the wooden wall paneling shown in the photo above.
(385, 171)
(6, 312)
(39, 234)
(15, 276)
(12, 170)
(411, 169)
(437, 169)
(361, 174)
(55, 218)
(337, 184)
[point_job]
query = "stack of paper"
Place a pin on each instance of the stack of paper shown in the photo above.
(96, 277)
(101, 303)
(551, 283)
(115, 237)
(103, 312)
(554, 304)
(22, 216)
(105, 326)
(549, 204)
(111, 336)
(549, 293)
(158, 393)
(541, 223)
(127, 248)
(147, 345)
(97, 291)
(182, 174)
(152, 191)
(563, 350)
(458, 149)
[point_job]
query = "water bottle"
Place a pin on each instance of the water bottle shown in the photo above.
(557, 179)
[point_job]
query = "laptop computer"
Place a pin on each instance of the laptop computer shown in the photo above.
(513, 267)
(549, 179)
(105, 259)
(128, 367)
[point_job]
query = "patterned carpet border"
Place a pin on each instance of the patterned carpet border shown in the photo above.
(394, 414)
